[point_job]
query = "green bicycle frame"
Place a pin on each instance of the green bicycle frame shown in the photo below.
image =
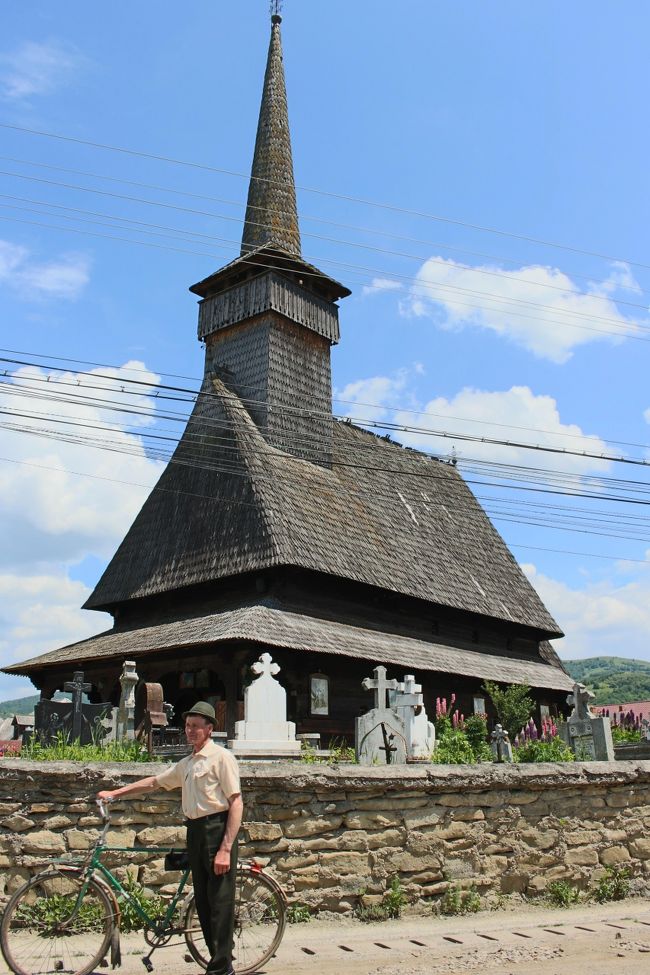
(160, 926)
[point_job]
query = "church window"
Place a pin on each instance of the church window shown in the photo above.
(319, 694)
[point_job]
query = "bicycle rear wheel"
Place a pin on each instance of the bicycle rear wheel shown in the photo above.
(49, 928)
(260, 919)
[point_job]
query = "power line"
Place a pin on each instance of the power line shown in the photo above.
(500, 275)
(336, 399)
(345, 265)
(338, 196)
(359, 269)
(148, 487)
(385, 425)
(374, 231)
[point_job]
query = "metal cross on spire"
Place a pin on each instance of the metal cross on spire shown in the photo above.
(275, 8)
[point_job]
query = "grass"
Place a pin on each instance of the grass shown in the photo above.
(72, 751)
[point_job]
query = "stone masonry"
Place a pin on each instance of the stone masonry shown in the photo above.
(336, 836)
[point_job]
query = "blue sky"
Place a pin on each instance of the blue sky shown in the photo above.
(525, 119)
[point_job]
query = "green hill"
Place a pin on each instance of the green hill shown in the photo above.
(614, 680)
(25, 705)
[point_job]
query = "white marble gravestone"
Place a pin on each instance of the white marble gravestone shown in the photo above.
(126, 710)
(407, 701)
(589, 736)
(265, 731)
(380, 737)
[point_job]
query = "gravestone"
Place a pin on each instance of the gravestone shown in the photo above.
(265, 731)
(588, 735)
(126, 711)
(70, 720)
(500, 744)
(380, 735)
(407, 701)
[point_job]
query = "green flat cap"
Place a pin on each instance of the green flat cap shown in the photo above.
(202, 710)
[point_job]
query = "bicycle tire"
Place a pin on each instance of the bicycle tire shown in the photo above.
(260, 920)
(42, 934)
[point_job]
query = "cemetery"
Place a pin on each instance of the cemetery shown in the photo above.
(336, 835)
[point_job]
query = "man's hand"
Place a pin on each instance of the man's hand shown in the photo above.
(222, 862)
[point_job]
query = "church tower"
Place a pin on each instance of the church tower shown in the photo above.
(269, 318)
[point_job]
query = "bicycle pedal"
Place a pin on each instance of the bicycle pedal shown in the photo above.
(148, 964)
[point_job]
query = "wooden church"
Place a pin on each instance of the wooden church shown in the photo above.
(277, 528)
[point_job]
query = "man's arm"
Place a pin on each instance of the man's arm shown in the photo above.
(141, 787)
(235, 813)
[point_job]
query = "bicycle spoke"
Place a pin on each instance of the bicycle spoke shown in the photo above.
(57, 923)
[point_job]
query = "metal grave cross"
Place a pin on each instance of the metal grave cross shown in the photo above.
(379, 685)
(78, 688)
(388, 746)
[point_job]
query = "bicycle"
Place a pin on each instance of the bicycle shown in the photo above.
(67, 918)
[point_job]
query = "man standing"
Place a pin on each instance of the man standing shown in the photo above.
(213, 807)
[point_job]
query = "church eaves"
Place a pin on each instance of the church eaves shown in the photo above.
(271, 211)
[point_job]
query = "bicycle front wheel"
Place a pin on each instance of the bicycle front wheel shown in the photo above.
(57, 923)
(260, 919)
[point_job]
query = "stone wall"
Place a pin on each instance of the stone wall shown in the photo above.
(335, 835)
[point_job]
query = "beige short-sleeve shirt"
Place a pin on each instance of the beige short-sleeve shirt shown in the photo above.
(208, 779)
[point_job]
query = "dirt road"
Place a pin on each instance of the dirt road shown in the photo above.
(593, 940)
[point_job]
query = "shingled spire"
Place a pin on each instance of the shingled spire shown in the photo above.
(271, 211)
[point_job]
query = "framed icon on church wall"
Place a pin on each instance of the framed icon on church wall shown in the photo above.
(186, 680)
(319, 694)
(202, 678)
(479, 705)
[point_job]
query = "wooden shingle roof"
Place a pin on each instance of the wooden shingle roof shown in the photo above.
(383, 515)
(279, 627)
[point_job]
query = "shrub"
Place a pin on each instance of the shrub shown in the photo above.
(614, 886)
(454, 749)
(390, 907)
(456, 901)
(153, 904)
(560, 893)
(512, 705)
(624, 735)
(553, 750)
(298, 914)
(394, 899)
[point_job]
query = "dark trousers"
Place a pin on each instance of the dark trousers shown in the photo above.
(214, 895)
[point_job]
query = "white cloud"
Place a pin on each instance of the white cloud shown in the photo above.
(609, 617)
(369, 399)
(48, 512)
(378, 285)
(52, 519)
(539, 308)
(515, 415)
(63, 277)
(37, 68)
(42, 612)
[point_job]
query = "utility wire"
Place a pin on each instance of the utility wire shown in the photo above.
(337, 399)
(356, 269)
(374, 231)
(338, 196)
(385, 424)
(345, 265)
(500, 275)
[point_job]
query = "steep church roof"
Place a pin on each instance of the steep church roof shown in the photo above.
(383, 515)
